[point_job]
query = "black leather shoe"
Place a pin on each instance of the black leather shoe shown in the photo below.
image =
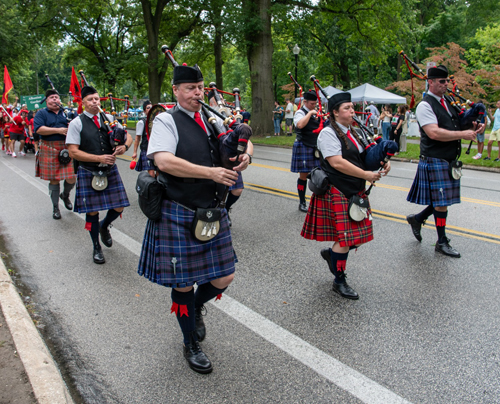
(56, 214)
(303, 207)
(344, 290)
(325, 253)
(67, 203)
(98, 256)
(201, 331)
(196, 358)
(105, 236)
(446, 249)
(415, 226)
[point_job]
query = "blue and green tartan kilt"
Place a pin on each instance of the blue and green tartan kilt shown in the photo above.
(303, 160)
(143, 163)
(238, 184)
(87, 199)
(433, 184)
(170, 239)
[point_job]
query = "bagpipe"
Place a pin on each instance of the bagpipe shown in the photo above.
(233, 135)
(117, 135)
(467, 117)
(296, 85)
(377, 151)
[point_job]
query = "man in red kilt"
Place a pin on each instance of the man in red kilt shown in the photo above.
(440, 146)
(342, 158)
(185, 149)
(99, 185)
(52, 126)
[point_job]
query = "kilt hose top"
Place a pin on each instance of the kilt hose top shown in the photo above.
(47, 165)
(328, 220)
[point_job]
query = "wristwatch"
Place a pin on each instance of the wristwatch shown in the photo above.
(126, 147)
(250, 156)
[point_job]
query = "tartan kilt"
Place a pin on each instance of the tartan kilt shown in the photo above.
(328, 220)
(303, 160)
(238, 184)
(143, 163)
(87, 199)
(47, 165)
(433, 184)
(197, 262)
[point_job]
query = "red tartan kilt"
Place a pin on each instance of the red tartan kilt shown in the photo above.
(328, 220)
(47, 165)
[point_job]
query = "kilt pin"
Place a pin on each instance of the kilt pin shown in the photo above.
(47, 165)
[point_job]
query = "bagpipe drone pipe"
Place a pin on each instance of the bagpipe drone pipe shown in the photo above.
(377, 152)
(232, 135)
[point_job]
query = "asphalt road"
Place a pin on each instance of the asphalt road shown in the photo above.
(425, 329)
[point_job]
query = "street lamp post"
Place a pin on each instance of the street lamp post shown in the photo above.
(296, 51)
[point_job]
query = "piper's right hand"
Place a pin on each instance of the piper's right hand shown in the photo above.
(223, 176)
(63, 131)
(371, 177)
(313, 112)
(134, 155)
(470, 134)
(107, 159)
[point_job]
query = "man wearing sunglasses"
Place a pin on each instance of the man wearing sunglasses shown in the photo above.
(440, 145)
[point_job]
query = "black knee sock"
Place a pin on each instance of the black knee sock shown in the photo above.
(206, 292)
(440, 218)
(68, 187)
(92, 225)
(54, 190)
(110, 216)
(338, 263)
(183, 307)
(231, 200)
(422, 216)
(301, 189)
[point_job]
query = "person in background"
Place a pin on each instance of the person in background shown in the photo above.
(289, 117)
(398, 129)
(495, 134)
(277, 116)
(385, 119)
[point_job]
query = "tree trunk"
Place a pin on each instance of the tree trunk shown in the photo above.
(218, 56)
(259, 55)
(344, 74)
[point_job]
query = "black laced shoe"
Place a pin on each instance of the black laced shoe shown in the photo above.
(67, 203)
(325, 253)
(446, 249)
(196, 358)
(201, 331)
(303, 207)
(105, 235)
(56, 213)
(98, 255)
(416, 226)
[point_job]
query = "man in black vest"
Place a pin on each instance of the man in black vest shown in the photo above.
(99, 185)
(303, 156)
(185, 150)
(440, 145)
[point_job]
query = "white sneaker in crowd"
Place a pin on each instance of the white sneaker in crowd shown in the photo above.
(8, 152)
(14, 154)
(22, 153)
(477, 156)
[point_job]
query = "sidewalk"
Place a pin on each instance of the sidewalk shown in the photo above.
(28, 373)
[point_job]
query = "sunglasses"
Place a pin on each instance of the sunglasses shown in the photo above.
(444, 81)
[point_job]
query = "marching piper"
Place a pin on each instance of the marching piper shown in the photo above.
(99, 185)
(141, 143)
(185, 150)
(342, 158)
(52, 126)
(303, 155)
(440, 147)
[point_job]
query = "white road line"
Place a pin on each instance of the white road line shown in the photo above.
(326, 366)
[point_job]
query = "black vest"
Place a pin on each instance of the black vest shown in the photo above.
(346, 184)
(196, 147)
(94, 140)
(144, 137)
(434, 148)
(306, 135)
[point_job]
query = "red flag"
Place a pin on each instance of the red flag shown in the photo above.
(75, 89)
(7, 86)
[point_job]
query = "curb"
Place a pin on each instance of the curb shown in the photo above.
(46, 381)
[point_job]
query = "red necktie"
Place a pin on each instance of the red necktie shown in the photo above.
(96, 121)
(197, 118)
(443, 104)
(350, 137)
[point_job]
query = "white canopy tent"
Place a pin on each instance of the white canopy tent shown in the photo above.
(368, 92)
